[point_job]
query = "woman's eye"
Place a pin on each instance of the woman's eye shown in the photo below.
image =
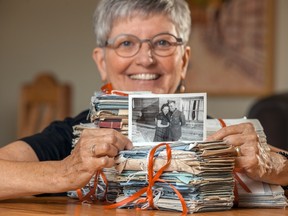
(126, 43)
(163, 43)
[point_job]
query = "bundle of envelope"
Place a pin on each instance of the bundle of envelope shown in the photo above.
(202, 172)
(106, 191)
(260, 194)
(110, 111)
(106, 111)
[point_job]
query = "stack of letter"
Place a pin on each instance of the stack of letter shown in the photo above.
(110, 111)
(260, 194)
(201, 172)
(196, 176)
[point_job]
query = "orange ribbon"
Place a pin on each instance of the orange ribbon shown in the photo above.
(152, 179)
(91, 197)
(222, 123)
(107, 88)
(236, 177)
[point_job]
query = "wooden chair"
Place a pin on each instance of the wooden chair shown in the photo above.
(41, 102)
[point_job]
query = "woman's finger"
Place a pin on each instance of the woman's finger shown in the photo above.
(240, 139)
(231, 130)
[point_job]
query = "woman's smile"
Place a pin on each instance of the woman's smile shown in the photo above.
(144, 76)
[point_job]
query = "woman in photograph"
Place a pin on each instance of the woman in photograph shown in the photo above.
(162, 124)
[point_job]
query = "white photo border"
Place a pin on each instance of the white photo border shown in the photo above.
(144, 136)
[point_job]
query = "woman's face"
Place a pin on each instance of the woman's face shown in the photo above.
(165, 109)
(143, 72)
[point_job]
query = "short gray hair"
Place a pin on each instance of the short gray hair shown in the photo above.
(108, 11)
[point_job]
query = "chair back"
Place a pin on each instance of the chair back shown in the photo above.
(41, 102)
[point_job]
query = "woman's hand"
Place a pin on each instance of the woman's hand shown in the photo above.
(254, 158)
(95, 149)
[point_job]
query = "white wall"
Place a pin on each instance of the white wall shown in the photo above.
(38, 35)
(57, 35)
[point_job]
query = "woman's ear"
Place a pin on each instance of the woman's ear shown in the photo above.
(99, 58)
(185, 62)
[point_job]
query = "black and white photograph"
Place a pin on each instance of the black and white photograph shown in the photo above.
(158, 118)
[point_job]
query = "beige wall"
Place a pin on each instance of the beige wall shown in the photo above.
(57, 35)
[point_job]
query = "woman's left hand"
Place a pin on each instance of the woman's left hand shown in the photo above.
(252, 158)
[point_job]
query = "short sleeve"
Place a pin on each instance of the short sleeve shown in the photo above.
(55, 141)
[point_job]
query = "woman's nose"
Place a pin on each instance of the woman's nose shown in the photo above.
(145, 55)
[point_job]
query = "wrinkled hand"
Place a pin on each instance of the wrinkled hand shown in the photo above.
(254, 159)
(95, 149)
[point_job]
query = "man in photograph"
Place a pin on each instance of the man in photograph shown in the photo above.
(177, 120)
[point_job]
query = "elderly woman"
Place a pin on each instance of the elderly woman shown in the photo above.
(141, 45)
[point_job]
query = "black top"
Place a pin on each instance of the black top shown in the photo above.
(55, 141)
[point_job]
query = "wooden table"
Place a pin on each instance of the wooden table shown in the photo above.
(41, 206)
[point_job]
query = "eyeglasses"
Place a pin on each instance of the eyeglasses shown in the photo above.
(126, 45)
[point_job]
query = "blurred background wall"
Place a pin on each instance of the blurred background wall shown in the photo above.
(57, 36)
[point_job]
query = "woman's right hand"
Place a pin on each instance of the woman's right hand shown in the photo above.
(95, 149)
